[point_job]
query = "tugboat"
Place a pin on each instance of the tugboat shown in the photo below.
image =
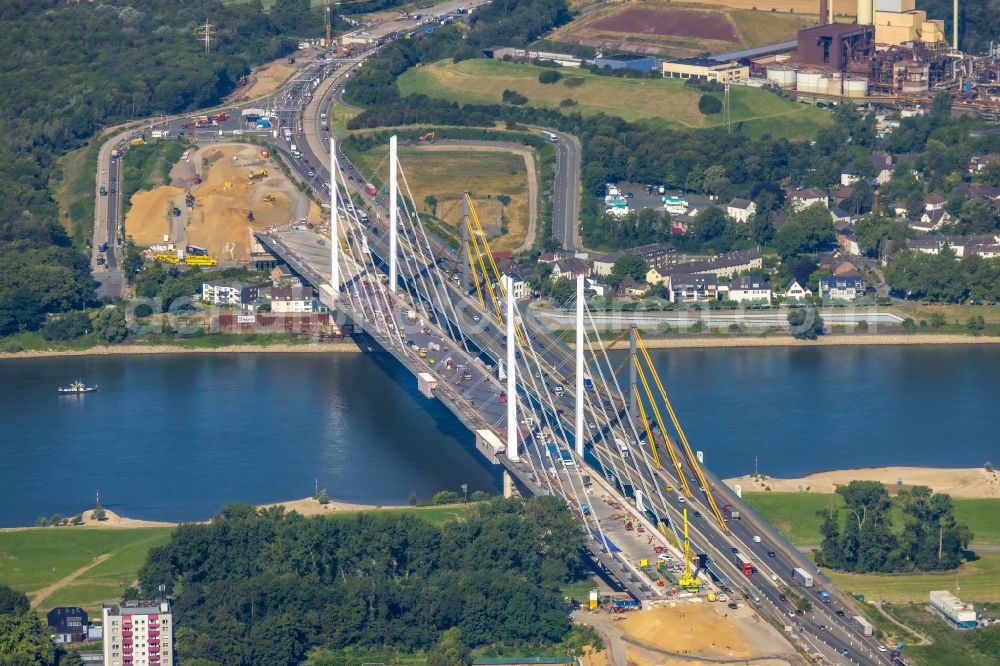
(77, 387)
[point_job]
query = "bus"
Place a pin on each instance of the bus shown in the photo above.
(552, 451)
(744, 564)
(550, 137)
(567, 457)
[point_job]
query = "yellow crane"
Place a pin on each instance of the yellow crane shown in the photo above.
(688, 582)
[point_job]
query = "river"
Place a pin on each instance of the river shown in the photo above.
(177, 436)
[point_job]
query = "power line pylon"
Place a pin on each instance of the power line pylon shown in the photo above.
(205, 33)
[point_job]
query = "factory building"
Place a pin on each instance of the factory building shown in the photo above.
(706, 69)
(899, 22)
(835, 45)
(628, 61)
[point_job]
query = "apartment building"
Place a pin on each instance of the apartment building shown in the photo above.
(137, 633)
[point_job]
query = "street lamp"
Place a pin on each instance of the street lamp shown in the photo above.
(465, 491)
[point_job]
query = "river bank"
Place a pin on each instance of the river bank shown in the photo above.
(307, 506)
(128, 349)
(688, 342)
(973, 483)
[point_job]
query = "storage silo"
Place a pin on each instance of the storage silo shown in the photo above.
(855, 87)
(866, 12)
(782, 76)
(810, 82)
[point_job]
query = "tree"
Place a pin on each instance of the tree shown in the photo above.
(875, 230)
(976, 323)
(412, 499)
(109, 325)
(628, 265)
(73, 658)
(805, 323)
(133, 261)
(13, 602)
(806, 231)
(446, 497)
(24, 640)
(989, 175)
(562, 291)
(450, 650)
(977, 217)
(709, 105)
(937, 320)
(99, 514)
(549, 76)
(66, 327)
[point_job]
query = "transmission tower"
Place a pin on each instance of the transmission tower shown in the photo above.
(205, 33)
(329, 20)
(727, 116)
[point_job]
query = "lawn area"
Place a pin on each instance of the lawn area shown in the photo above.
(73, 183)
(666, 101)
(953, 314)
(979, 581)
(978, 647)
(795, 515)
(436, 514)
(446, 175)
(35, 558)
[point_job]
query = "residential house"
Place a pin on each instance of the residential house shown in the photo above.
(741, 210)
(230, 292)
(688, 288)
(750, 289)
(842, 287)
(519, 286)
(973, 190)
(934, 202)
(599, 288)
(654, 276)
(882, 162)
(726, 264)
(844, 268)
(795, 291)
(629, 287)
(848, 240)
(979, 162)
(849, 176)
(570, 268)
(68, 623)
(603, 264)
(291, 300)
(553, 257)
(840, 215)
(807, 196)
(659, 255)
(934, 219)
(838, 193)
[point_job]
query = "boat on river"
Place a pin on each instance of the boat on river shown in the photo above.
(77, 387)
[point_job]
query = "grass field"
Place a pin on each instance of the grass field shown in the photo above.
(980, 647)
(975, 581)
(953, 314)
(437, 515)
(665, 101)
(795, 515)
(445, 175)
(73, 186)
(33, 559)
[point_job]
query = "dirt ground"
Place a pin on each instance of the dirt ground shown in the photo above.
(840, 7)
(148, 219)
(268, 79)
(970, 483)
(219, 220)
(668, 22)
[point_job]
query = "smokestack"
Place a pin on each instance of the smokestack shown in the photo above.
(823, 11)
(830, 18)
(954, 26)
(865, 12)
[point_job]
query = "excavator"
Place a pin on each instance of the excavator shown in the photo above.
(429, 137)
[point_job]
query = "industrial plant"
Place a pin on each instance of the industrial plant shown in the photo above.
(894, 55)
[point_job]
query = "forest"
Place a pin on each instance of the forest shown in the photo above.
(70, 69)
(264, 586)
(864, 540)
(978, 22)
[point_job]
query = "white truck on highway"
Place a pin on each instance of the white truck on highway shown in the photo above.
(802, 576)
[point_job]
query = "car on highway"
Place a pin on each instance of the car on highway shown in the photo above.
(736, 550)
(733, 605)
(680, 498)
(770, 553)
(840, 613)
(100, 261)
(756, 539)
(882, 648)
(783, 597)
(697, 514)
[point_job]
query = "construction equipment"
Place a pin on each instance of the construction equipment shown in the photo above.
(199, 261)
(268, 198)
(138, 142)
(430, 136)
(256, 175)
(166, 257)
(688, 582)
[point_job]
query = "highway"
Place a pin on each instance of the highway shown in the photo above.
(302, 102)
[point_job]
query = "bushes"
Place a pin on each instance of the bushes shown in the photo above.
(514, 97)
(67, 327)
(709, 105)
(549, 76)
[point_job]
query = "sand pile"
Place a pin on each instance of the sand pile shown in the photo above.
(975, 482)
(148, 220)
(269, 78)
(701, 629)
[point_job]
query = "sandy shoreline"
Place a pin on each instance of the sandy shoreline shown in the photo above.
(973, 483)
(339, 346)
(703, 342)
(306, 507)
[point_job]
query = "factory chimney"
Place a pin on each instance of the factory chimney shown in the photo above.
(830, 17)
(954, 26)
(823, 4)
(865, 12)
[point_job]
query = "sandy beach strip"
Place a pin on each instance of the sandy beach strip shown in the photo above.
(974, 483)
(860, 339)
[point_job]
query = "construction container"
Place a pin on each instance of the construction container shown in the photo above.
(953, 608)
(426, 383)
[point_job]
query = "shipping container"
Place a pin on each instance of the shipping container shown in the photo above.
(802, 576)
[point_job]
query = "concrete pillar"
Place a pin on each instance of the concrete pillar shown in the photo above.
(464, 265)
(633, 398)
(954, 26)
(508, 485)
(512, 452)
(579, 427)
(334, 223)
(393, 211)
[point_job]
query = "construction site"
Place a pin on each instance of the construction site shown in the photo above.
(217, 197)
(894, 55)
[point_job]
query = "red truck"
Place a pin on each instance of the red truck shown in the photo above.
(221, 117)
(370, 190)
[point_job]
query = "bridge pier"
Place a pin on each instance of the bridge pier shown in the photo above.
(512, 430)
(579, 367)
(633, 398)
(334, 224)
(393, 211)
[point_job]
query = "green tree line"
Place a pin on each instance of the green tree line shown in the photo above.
(262, 586)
